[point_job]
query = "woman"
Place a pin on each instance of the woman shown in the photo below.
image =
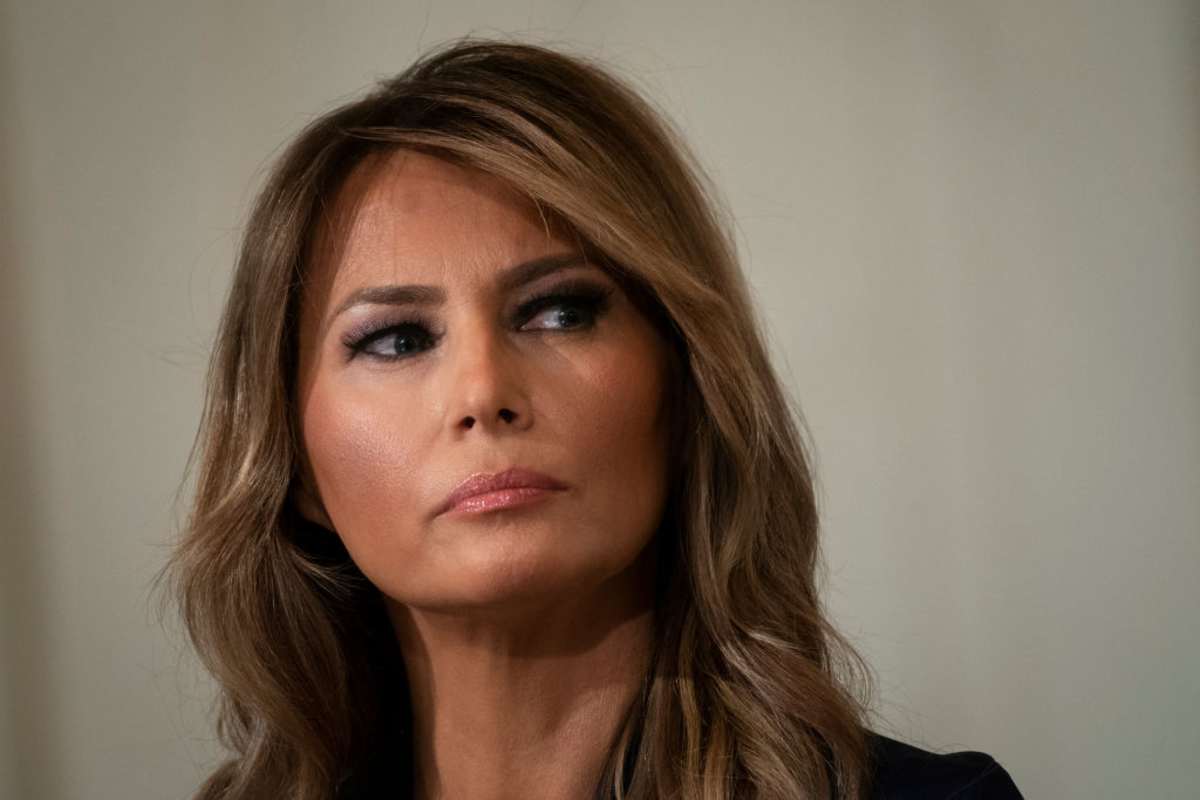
(499, 495)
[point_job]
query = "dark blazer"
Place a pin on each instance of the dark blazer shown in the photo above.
(902, 772)
(906, 772)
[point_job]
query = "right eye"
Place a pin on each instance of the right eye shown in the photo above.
(392, 342)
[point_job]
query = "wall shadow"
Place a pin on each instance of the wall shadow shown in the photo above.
(32, 764)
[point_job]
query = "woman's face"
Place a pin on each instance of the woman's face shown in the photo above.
(404, 394)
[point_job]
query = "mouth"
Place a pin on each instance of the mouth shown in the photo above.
(514, 487)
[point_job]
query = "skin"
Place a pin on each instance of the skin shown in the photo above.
(526, 631)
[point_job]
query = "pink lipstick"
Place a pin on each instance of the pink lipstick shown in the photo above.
(491, 491)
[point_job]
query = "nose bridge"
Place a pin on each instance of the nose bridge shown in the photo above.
(485, 387)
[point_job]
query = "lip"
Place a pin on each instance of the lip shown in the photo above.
(514, 486)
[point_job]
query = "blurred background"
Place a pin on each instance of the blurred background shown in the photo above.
(972, 228)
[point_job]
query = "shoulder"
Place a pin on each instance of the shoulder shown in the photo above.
(905, 772)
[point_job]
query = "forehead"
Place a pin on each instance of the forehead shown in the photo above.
(405, 216)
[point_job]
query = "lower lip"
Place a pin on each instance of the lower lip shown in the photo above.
(504, 498)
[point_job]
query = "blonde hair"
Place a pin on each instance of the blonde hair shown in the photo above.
(751, 692)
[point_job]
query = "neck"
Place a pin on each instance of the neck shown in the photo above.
(528, 703)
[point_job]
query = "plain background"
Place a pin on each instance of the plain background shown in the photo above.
(972, 228)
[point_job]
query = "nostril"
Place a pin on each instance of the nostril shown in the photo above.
(506, 415)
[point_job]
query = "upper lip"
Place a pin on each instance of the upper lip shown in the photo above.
(513, 478)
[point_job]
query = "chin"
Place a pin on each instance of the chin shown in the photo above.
(500, 574)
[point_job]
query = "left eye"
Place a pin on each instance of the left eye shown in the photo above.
(569, 314)
(566, 311)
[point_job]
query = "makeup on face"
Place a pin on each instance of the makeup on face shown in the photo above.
(408, 328)
(481, 404)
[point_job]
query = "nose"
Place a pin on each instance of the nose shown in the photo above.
(486, 386)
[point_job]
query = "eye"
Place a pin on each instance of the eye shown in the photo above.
(392, 342)
(569, 307)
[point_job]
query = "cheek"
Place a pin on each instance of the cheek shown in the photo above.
(381, 464)
(364, 455)
(618, 435)
(615, 411)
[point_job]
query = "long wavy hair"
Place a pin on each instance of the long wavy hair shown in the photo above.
(750, 692)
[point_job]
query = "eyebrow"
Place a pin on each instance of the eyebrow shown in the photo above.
(511, 278)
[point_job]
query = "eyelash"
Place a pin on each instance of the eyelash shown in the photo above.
(591, 299)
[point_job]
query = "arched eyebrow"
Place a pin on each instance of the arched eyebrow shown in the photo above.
(510, 279)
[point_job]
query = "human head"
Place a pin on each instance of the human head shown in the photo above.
(746, 662)
(583, 398)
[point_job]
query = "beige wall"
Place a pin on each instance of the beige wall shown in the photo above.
(972, 227)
